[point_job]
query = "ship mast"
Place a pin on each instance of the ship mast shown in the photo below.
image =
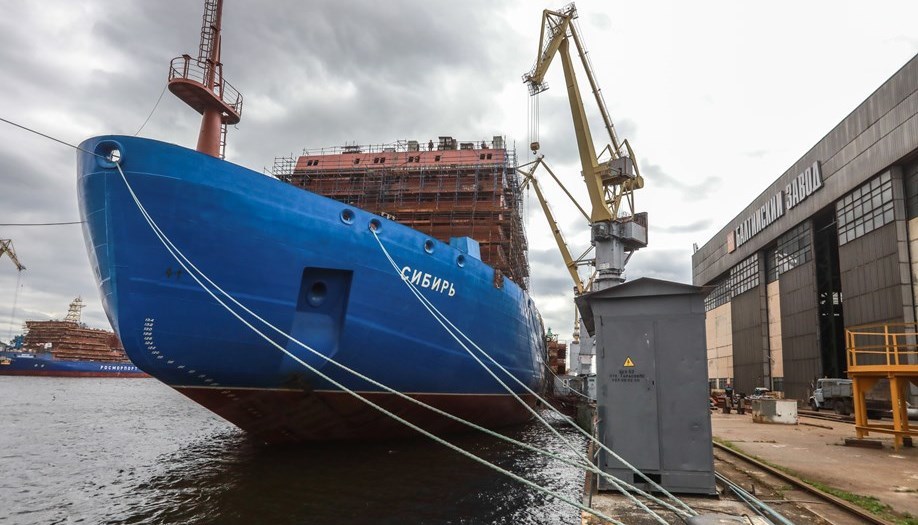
(200, 84)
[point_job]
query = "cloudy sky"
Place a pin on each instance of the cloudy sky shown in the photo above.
(718, 98)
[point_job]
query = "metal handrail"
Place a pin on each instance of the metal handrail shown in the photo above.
(186, 68)
(897, 344)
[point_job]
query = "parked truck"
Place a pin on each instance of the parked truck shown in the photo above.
(837, 394)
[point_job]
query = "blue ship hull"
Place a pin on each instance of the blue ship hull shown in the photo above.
(311, 267)
(44, 364)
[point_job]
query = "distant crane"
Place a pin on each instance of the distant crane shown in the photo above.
(6, 247)
(611, 177)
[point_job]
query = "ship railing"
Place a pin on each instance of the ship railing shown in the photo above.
(400, 146)
(188, 68)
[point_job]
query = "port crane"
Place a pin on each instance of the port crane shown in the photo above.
(6, 247)
(611, 177)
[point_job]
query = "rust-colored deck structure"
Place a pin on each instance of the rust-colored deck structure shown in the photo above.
(883, 351)
(557, 354)
(448, 189)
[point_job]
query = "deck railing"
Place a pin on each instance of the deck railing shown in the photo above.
(189, 68)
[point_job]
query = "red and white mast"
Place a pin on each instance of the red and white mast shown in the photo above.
(200, 84)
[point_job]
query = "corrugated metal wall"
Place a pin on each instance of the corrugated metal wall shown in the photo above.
(799, 330)
(870, 277)
(748, 340)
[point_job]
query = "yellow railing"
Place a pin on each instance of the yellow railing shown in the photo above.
(882, 345)
(883, 352)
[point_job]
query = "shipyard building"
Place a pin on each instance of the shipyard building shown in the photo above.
(831, 244)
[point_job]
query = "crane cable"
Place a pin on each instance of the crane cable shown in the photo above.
(533, 121)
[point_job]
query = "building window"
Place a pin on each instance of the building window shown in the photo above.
(793, 249)
(745, 275)
(719, 296)
(865, 209)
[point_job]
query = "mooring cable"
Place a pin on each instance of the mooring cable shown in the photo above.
(344, 388)
(151, 223)
(359, 375)
(619, 484)
(431, 308)
(585, 464)
(591, 438)
(757, 505)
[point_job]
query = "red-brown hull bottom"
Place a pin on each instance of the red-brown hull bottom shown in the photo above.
(279, 416)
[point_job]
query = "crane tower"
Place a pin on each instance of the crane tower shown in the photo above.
(612, 176)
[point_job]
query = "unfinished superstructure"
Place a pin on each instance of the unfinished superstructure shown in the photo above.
(445, 189)
(70, 339)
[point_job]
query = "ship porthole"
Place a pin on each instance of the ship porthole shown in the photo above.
(460, 260)
(347, 216)
(317, 294)
(109, 153)
(375, 225)
(428, 246)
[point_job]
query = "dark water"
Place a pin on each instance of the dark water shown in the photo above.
(131, 451)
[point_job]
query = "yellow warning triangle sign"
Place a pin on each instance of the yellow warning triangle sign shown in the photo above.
(628, 362)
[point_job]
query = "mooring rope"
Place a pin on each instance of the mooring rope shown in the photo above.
(619, 484)
(164, 240)
(440, 318)
(158, 232)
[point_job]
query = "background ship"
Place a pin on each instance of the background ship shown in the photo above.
(67, 348)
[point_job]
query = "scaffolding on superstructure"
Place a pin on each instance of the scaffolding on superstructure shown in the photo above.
(445, 189)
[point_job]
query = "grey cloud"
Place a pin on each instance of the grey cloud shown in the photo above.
(692, 227)
(548, 282)
(654, 175)
(667, 264)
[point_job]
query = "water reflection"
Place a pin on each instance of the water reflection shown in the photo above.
(225, 478)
